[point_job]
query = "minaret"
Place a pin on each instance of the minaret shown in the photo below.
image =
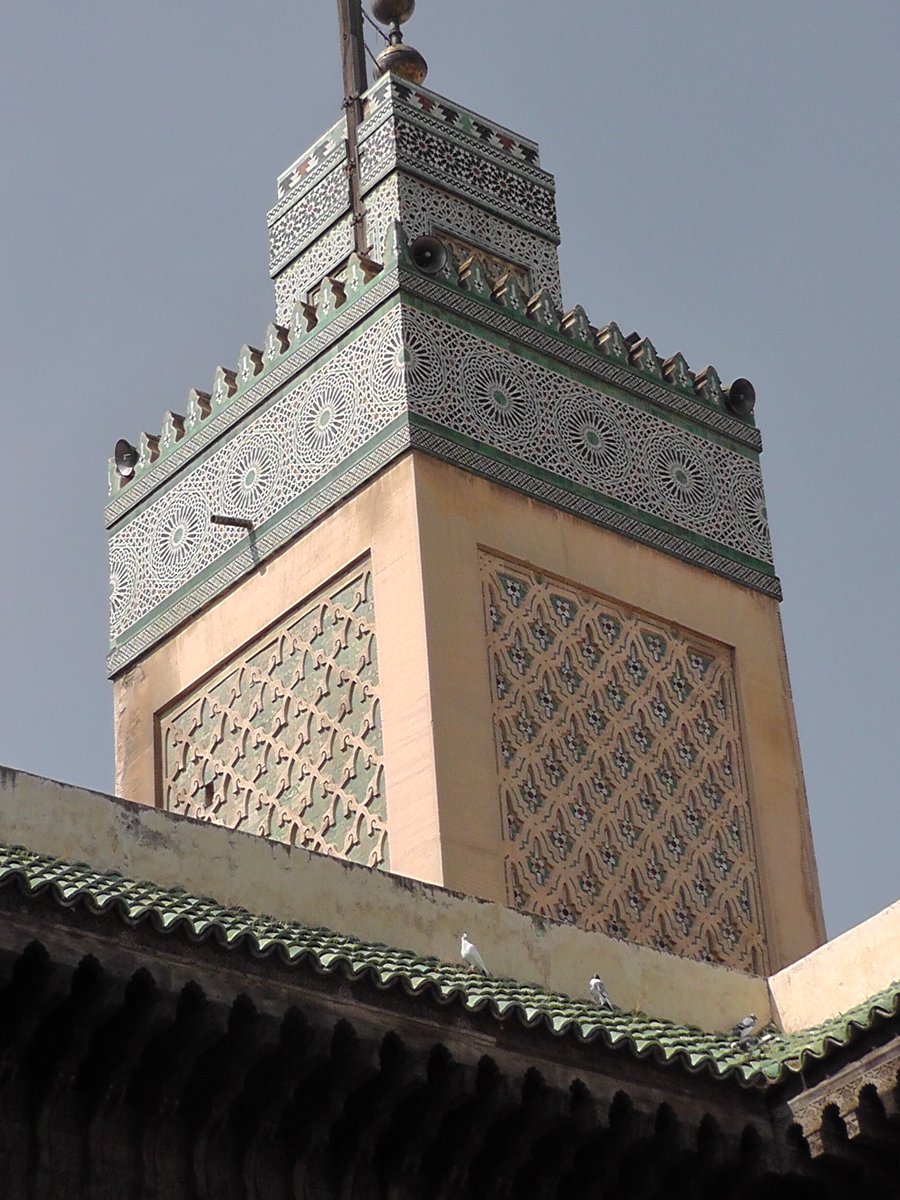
(446, 580)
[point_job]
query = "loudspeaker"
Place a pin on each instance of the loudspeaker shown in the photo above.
(741, 397)
(429, 254)
(126, 457)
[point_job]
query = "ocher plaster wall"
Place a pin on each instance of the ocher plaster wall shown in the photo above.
(267, 877)
(423, 522)
(379, 521)
(458, 513)
(839, 975)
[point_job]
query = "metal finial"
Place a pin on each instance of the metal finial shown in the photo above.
(397, 57)
(389, 12)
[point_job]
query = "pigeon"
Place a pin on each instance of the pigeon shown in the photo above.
(598, 993)
(470, 955)
(743, 1031)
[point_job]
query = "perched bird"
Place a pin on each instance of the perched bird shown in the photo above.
(598, 993)
(470, 955)
(743, 1031)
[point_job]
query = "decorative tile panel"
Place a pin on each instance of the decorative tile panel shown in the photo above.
(623, 791)
(294, 282)
(285, 742)
(426, 209)
(312, 214)
(392, 91)
(284, 452)
(483, 184)
(422, 208)
(588, 436)
(508, 190)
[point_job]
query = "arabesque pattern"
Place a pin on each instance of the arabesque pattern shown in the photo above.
(286, 741)
(622, 785)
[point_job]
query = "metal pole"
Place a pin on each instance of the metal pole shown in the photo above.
(353, 58)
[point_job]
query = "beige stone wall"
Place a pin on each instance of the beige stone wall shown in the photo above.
(460, 515)
(839, 975)
(378, 522)
(292, 884)
(424, 525)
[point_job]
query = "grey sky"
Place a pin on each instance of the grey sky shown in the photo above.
(728, 183)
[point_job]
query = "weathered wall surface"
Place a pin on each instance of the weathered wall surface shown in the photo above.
(839, 975)
(293, 884)
(460, 516)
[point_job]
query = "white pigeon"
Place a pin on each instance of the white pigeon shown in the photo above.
(598, 993)
(470, 955)
(743, 1031)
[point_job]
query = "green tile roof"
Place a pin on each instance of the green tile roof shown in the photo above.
(326, 951)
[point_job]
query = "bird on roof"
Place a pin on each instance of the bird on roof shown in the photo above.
(470, 955)
(598, 993)
(743, 1031)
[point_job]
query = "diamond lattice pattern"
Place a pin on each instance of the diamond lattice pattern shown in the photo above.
(623, 789)
(286, 741)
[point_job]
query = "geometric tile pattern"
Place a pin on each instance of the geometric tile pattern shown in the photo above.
(285, 742)
(425, 208)
(623, 791)
(444, 169)
(592, 438)
(262, 469)
(283, 453)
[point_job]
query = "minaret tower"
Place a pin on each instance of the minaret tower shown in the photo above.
(446, 580)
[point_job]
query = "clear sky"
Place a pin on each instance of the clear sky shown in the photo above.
(728, 181)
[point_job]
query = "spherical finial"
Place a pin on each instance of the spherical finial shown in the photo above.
(405, 61)
(389, 12)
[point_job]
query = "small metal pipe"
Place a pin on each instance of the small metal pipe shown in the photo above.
(235, 522)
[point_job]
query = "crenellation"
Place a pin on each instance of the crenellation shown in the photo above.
(541, 309)
(361, 270)
(148, 450)
(224, 386)
(509, 294)
(331, 294)
(575, 324)
(199, 406)
(172, 430)
(708, 386)
(472, 277)
(304, 319)
(249, 364)
(642, 354)
(611, 343)
(336, 291)
(676, 372)
(276, 343)
(396, 244)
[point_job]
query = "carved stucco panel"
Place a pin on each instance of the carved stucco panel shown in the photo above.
(285, 741)
(623, 792)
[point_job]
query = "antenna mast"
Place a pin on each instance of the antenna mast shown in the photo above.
(353, 59)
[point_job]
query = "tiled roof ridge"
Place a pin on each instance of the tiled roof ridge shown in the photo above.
(769, 1061)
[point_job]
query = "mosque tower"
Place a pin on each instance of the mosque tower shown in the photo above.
(446, 580)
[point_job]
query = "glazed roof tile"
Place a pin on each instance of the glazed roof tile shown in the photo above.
(771, 1060)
